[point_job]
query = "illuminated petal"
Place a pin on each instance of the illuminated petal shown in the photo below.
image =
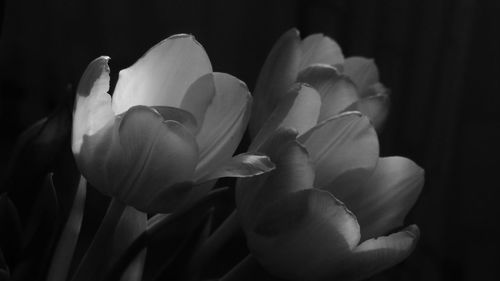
(93, 124)
(344, 149)
(337, 91)
(298, 110)
(363, 72)
(199, 96)
(304, 235)
(92, 112)
(162, 76)
(374, 107)
(277, 75)
(157, 153)
(182, 116)
(225, 121)
(242, 166)
(318, 48)
(375, 255)
(383, 202)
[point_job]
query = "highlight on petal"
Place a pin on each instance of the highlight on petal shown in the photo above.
(92, 111)
(337, 91)
(318, 48)
(162, 76)
(277, 75)
(157, 154)
(182, 116)
(343, 149)
(304, 235)
(376, 108)
(363, 72)
(224, 123)
(383, 202)
(375, 255)
(298, 110)
(242, 166)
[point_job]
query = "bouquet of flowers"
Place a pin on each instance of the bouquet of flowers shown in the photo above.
(310, 195)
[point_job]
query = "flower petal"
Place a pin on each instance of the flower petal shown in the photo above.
(92, 111)
(304, 235)
(337, 91)
(344, 149)
(182, 116)
(318, 48)
(375, 255)
(383, 202)
(157, 153)
(224, 123)
(162, 75)
(277, 75)
(242, 166)
(293, 172)
(299, 110)
(363, 72)
(199, 96)
(374, 107)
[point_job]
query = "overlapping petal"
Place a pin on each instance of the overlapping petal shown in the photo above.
(224, 118)
(344, 150)
(318, 48)
(383, 202)
(171, 126)
(298, 232)
(162, 76)
(299, 110)
(277, 75)
(363, 72)
(336, 90)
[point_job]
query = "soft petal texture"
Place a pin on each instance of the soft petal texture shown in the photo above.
(162, 76)
(383, 202)
(182, 116)
(337, 91)
(156, 153)
(199, 96)
(92, 103)
(224, 122)
(284, 152)
(362, 71)
(304, 235)
(277, 75)
(374, 107)
(375, 255)
(298, 110)
(242, 166)
(318, 48)
(344, 149)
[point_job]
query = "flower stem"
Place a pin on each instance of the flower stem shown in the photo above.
(156, 225)
(212, 245)
(65, 249)
(96, 256)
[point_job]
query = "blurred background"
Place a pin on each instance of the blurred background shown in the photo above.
(440, 58)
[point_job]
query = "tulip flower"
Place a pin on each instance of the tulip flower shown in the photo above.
(343, 84)
(328, 209)
(171, 125)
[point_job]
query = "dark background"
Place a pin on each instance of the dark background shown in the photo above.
(440, 58)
